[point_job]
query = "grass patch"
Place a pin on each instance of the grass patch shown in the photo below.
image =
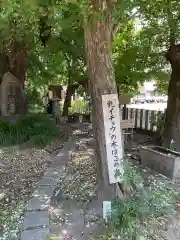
(142, 213)
(36, 129)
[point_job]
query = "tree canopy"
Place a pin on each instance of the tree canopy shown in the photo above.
(138, 53)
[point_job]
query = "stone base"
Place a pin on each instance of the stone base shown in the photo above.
(161, 160)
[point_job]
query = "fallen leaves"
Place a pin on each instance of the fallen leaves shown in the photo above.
(160, 225)
(70, 207)
(20, 170)
(79, 181)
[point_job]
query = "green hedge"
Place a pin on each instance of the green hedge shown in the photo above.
(36, 128)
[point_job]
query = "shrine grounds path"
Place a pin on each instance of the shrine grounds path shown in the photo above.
(64, 203)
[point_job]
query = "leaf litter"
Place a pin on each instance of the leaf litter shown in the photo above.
(79, 179)
(77, 187)
(167, 226)
(20, 170)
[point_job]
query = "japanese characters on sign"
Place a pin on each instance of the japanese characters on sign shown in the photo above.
(113, 137)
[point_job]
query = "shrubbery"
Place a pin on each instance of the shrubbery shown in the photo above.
(79, 106)
(35, 128)
(139, 213)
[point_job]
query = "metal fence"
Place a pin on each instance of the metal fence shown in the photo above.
(144, 119)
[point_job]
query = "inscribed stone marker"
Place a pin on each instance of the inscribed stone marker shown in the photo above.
(106, 210)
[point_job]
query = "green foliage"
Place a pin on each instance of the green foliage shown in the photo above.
(36, 129)
(140, 207)
(132, 217)
(62, 61)
(135, 60)
(46, 67)
(131, 177)
(162, 83)
(138, 54)
(33, 96)
(79, 106)
(160, 21)
(19, 22)
(135, 52)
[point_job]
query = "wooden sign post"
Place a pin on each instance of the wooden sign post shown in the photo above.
(113, 137)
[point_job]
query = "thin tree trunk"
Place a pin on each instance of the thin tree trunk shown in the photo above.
(69, 91)
(101, 75)
(93, 114)
(172, 118)
(67, 101)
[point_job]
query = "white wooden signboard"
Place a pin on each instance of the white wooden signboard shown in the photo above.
(113, 137)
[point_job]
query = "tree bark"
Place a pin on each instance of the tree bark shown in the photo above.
(67, 102)
(102, 79)
(69, 92)
(18, 58)
(93, 114)
(172, 118)
(4, 65)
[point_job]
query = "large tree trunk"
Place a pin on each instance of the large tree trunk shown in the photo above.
(102, 79)
(19, 65)
(172, 119)
(4, 65)
(18, 58)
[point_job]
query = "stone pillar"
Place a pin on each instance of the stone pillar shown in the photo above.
(12, 97)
